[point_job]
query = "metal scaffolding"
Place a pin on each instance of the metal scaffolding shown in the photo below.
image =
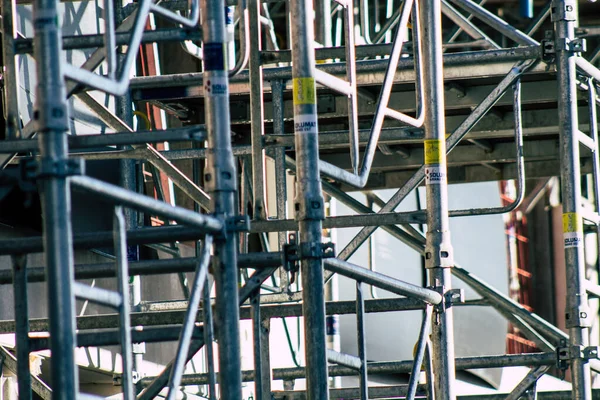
(407, 52)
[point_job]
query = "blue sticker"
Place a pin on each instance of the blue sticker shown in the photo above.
(228, 15)
(332, 325)
(133, 253)
(214, 57)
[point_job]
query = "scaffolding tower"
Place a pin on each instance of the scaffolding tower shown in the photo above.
(335, 148)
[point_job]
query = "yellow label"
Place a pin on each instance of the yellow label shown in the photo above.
(572, 223)
(304, 91)
(435, 151)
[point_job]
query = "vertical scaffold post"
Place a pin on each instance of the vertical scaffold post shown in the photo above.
(51, 119)
(257, 111)
(11, 75)
(438, 250)
(22, 325)
(577, 316)
(220, 180)
(128, 179)
(309, 204)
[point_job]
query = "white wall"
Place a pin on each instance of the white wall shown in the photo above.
(479, 247)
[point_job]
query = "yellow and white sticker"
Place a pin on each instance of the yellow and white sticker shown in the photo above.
(435, 175)
(305, 124)
(572, 230)
(304, 91)
(435, 151)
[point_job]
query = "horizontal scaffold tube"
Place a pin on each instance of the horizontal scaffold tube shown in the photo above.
(393, 367)
(118, 195)
(343, 221)
(194, 133)
(147, 267)
(558, 395)
(171, 312)
(112, 337)
(382, 281)
(285, 73)
(90, 240)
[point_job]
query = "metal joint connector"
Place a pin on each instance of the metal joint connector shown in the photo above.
(454, 296)
(564, 10)
(291, 257)
(238, 223)
(135, 377)
(439, 251)
(578, 317)
(548, 48)
(118, 378)
(449, 298)
(294, 252)
(562, 357)
(223, 177)
(138, 348)
(311, 208)
(317, 250)
(32, 169)
(565, 354)
(590, 352)
(51, 116)
(571, 45)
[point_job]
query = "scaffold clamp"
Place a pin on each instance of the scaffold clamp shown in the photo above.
(32, 169)
(454, 296)
(548, 48)
(565, 353)
(294, 252)
(450, 297)
(238, 223)
(291, 256)
(571, 45)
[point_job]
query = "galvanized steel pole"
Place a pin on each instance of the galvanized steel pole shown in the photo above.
(220, 178)
(22, 325)
(309, 205)
(438, 249)
(11, 73)
(256, 111)
(577, 315)
(51, 119)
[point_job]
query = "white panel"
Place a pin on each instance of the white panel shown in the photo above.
(479, 246)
